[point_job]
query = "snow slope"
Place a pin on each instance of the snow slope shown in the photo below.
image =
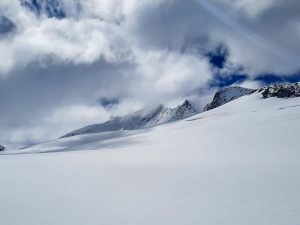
(237, 164)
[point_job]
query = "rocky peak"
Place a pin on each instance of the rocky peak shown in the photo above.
(147, 117)
(185, 110)
(281, 90)
(226, 95)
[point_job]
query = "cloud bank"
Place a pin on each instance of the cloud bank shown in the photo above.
(60, 57)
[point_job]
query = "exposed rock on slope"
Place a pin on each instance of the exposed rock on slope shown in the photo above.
(160, 114)
(226, 95)
(277, 90)
(140, 119)
(281, 90)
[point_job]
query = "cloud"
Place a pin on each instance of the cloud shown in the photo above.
(6, 26)
(60, 41)
(134, 52)
(73, 116)
(251, 84)
(251, 8)
(112, 30)
(256, 43)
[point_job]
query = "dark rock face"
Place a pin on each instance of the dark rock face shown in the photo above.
(281, 91)
(226, 95)
(2, 148)
(50, 8)
(185, 110)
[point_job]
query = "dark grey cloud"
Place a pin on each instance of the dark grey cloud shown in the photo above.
(28, 97)
(108, 102)
(50, 8)
(6, 26)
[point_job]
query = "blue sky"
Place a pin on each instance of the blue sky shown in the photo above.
(218, 59)
(68, 63)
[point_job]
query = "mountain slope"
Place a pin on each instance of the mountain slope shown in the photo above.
(226, 95)
(281, 90)
(140, 119)
(235, 164)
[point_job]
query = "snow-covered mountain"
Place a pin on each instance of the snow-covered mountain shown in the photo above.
(226, 95)
(229, 94)
(50, 8)
(231, 101)
(235, 164)
(141, 119)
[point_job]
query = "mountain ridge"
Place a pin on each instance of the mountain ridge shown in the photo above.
(285, 90)
(140, 119)
(160, 114)
(226, 95)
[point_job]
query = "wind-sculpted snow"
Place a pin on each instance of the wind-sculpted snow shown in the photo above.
(140, 119)
(232, 165)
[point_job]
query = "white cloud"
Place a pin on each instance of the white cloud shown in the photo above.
(113, 29)
(251, 8)
(58, 122)
(251, 84)
(65, 41)
(77, 114)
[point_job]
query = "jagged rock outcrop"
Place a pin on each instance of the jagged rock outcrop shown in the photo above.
(140, 119)
(281, 90)
(184, 111)
(226, 95)
(160, 114)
